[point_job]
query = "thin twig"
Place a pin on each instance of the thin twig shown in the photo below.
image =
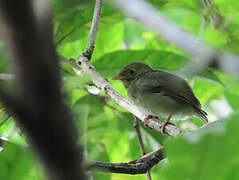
(140, 140)
(93, 29)
(139, 166)
(91, 40)
(139, 135)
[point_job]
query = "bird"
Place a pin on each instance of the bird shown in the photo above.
(159, 93)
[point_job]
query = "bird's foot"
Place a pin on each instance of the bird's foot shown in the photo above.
(146, 120)
(163, 127)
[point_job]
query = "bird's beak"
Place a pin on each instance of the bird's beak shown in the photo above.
(117, 77)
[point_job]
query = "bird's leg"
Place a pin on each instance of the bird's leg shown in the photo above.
(165, 124)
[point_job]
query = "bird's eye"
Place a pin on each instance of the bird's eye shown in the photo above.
(132, 71)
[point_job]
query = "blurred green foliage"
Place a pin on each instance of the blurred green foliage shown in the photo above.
(106, 130)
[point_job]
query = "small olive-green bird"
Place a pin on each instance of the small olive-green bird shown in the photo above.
(159, 93)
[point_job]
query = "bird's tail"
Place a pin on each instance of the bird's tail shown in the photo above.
(202, 115)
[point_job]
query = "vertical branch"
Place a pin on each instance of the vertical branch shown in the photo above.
(140, 140)
(93, 29)
(139, 135)
(38, 108)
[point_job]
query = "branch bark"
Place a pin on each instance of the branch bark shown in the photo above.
(144, 164)
(140, 141)
(139, 166)
(93, 29)
(139, 135)
(38, 107)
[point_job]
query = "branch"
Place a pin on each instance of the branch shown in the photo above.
(139, 166)
(142, 165)
(149, 16)
(140, 141)
(102, 84)
(39, 109)
(139, 135)
(11, 102)
(93, 29)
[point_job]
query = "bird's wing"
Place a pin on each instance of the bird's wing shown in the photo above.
(168, 85)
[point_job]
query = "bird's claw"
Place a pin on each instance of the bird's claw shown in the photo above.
(163, 127)
(146, 120)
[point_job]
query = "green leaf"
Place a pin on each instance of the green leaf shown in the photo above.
(109, 41)
(105, 42)
(185, 17)
(74, 82)
(206, 90)
(192, 5)
(199, 155)
(72, 19)
(209, 74)
(133, 33)
(215, 37)
(16, 162)
(110, 64)
(233, 100)
(229, 7)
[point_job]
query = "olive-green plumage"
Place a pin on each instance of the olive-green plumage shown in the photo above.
(160, 93)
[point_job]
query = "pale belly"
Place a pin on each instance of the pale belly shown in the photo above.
(163, 106)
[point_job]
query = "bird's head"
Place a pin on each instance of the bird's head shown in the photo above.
(131, 72)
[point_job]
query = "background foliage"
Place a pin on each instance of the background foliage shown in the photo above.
(106, 129)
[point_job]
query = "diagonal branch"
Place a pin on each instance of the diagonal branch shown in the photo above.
(139, 166)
